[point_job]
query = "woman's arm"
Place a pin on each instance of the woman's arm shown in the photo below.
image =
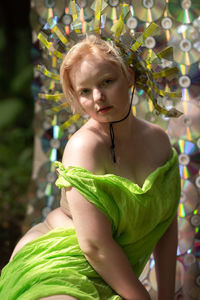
(165, 258)
(94, 231)
(102, 252)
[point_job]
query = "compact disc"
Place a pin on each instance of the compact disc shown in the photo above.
(191, 286)
(185, 40)
(145, 272)
(42, 7)
(149, 10)
(53, 142)
(186, 235)
(184, 11)
(189, 198)
(166, 23)
(144, 110)
(46, 173)
(82, 3)
(197, 244)
(197, 182)
(187, 126)
(36, 21)
(189, 259)
(113, 3)
(191, 93)
(179, 276)
(195, 220)
(189, 157)
(47, 189)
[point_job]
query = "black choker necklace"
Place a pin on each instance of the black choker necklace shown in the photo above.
(112, 135)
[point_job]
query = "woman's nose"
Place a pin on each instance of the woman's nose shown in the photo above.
(97, 94)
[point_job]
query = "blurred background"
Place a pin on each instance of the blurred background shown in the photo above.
(16, 121)
(35, 124)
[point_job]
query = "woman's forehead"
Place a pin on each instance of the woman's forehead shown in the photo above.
(92, 66)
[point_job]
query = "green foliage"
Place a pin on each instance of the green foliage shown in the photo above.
(16, 119)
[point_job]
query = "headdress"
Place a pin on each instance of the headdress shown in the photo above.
(156, 73)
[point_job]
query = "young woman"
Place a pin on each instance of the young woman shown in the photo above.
(120, 191)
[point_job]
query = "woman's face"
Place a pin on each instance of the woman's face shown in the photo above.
(101, 88)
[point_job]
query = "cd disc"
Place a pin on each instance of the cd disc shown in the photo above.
(191, 91)
(189, 198)
(184, 11)
(143, 109)
(149, 10)
(42, 7)
(46, 174)
(53, 143)
(145, 272)
(189, 157)
(179, 277)
(186, 233)
(186, 126)
(36, 21)
(191, 285)
(185, 39)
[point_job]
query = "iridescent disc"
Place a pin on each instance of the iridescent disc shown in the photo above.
(189, 198)
(149, 10)
(144, 110)
(46, 189)
(186, 126)
(184, 11)
(191, 93)
(191, 285)
(42, 7)
(53, 143)
(185, 40)
(46, 174)
(36, 21)
(145, 272)
(179, 276)
(197, 244)
(189, 157)
(186, 235)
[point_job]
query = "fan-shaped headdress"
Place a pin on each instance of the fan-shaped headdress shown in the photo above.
(156, 73)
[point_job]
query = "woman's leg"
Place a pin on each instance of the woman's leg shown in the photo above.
(33, 233)
(59, 297)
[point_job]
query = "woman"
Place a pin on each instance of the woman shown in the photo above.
(120, 182)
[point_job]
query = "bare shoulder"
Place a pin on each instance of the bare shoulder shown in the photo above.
(83, 149)
(158, 142)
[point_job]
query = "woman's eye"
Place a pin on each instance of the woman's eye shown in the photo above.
(106, 82)
(84, 92)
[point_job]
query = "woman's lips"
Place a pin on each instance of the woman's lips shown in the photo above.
(104, 109)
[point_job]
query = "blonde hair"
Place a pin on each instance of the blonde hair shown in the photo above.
(89, 45)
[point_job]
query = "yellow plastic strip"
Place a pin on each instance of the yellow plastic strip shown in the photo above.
(165, 52)
(73, 9)
(149, 31)
(55, 97)
(97, 15)
(49, 46)
(119, 25)
(58, 108)
(44, 41)
(165, 73)
(70, 121)
(48, 73)
(58, 32)
(163, 93)
(174, 113)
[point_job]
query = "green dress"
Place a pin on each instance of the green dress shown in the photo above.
(54, 263)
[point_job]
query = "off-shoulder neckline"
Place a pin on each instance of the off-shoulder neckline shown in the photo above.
(118, 177)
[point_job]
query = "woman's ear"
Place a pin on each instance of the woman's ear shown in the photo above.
(131, 79)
